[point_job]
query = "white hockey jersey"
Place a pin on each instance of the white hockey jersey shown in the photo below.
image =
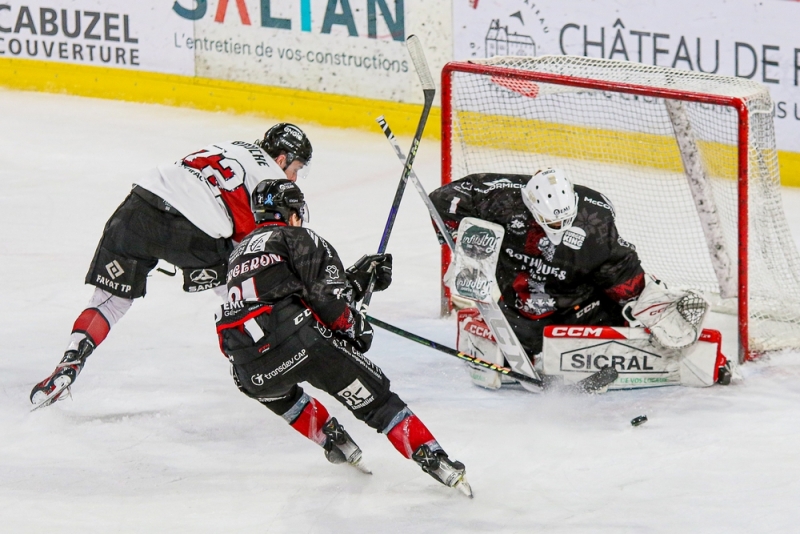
(212, 186)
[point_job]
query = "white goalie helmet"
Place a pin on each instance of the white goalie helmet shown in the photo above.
(550, 197)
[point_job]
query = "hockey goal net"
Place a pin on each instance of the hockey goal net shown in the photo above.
(688, 160)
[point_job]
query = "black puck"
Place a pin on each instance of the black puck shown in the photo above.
(639, 420)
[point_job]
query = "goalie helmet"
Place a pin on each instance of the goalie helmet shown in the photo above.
(285, 138)
(275, 200)
(551, 199)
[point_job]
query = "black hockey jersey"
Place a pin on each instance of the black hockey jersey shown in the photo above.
(537, 277)
(277, 261)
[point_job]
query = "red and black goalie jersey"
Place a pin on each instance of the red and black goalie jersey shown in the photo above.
(536, 276)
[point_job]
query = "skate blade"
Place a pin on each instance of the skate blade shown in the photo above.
(54, 396)
(361, 467)
(463, 486)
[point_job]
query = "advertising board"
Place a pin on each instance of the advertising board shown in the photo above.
(344, 47)
(750, 39)
(105, 33)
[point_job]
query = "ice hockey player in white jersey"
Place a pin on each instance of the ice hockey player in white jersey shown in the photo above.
(189, 213)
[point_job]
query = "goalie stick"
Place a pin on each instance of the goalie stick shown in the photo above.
(429, 90)
(491, 313)
(590, 384)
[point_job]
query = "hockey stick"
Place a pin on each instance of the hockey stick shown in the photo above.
(428, 90)
(506, 339)
(437, 219)
(589, 384)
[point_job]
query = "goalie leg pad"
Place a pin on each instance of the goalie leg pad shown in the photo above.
(576, 352)
(474, 338)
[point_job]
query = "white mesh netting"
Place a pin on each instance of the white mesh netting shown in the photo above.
(669, 167)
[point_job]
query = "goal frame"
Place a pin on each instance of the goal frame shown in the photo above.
(737, 103)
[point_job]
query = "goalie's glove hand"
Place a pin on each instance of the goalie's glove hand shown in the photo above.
(362, 332)
(360, 272)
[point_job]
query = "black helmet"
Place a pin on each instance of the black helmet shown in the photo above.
(275, 200)
(289, 139)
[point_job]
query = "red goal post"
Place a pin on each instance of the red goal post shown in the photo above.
(688, 159)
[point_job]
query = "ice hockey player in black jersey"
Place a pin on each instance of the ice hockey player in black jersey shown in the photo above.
(562, 259)
(190, 214)
(290, 318)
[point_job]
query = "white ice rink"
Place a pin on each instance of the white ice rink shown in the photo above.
(158, 438)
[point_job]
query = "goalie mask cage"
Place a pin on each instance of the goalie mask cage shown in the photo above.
(688, 160)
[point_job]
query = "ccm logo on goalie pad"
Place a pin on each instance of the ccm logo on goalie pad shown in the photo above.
(479, 329)
(601, 332)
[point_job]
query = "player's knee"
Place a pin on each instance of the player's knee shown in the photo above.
(288, 405)
(381, 415)
(279, 401)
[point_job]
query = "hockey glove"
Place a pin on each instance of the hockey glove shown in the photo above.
(360, 272)
(362, 332)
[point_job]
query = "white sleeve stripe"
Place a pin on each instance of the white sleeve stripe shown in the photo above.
(253, 329)
(249, 289)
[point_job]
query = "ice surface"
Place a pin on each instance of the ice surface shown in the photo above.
(158, 439)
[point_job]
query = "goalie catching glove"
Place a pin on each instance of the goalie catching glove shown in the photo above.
(674, 317)
(360, 273)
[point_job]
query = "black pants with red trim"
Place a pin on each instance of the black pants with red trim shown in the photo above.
(311, 353)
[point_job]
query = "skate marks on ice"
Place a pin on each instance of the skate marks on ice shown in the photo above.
(204, 460)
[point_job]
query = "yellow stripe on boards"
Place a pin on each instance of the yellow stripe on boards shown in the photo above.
(789, 164)
(503, 132)
(353, 112)
(214, 95)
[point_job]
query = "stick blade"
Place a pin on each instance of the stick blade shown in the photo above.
(598, 381)
(420, 63)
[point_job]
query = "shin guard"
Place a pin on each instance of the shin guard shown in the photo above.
(407, 433)
(92, 324)
(311, 417)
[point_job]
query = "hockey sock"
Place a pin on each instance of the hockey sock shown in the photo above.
(90, 323)
(311, 418)
(407, 433)
(101, 313)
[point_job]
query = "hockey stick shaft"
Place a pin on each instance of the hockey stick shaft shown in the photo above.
(452, 352)
(591, 384)
(511, 349)
(429, 91)
(437, 218)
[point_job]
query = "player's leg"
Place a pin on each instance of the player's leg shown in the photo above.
(304, 413)
(119, 273)
(528, 330)
(355, 381)
(89, 330)
(475, 338)
(312, 353)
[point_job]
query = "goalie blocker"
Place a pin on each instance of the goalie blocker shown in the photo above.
(576, 352)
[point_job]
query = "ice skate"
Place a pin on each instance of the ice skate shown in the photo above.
(340, 447)
(57, 386)
(449, 472)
